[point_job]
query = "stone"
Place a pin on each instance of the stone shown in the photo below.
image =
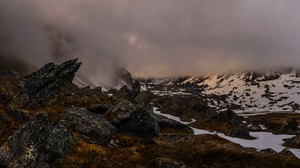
(141, 123)
(36, 144)
(240, 131)
(90, 125)
(230, 117)
(165, 122)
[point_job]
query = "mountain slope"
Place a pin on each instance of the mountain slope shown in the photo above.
(275, 91)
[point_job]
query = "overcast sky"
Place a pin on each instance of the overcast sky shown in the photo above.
(155, 38)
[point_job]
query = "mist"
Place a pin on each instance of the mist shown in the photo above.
(153, 38)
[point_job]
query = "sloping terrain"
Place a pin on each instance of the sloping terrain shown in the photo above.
(47, 121)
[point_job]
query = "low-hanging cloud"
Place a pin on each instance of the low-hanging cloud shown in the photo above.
(153, 38)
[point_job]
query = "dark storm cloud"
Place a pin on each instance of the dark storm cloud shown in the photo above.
(156, 37)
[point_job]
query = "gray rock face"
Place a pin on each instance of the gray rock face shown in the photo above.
(36, 144)
(90, 125)
(41, 87)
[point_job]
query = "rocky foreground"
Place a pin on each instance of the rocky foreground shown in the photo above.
(47, 121)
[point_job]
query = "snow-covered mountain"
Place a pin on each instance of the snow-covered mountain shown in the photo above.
(274, 91)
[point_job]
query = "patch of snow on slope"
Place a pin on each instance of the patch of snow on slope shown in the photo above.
(264, 139)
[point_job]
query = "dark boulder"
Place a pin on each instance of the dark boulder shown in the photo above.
(141, 123)
(90, 125)
(120, 112)
(168, 163)
(36, 144)
(136, 88)
(142, 101)
(240, 131)
(165, 122)
(128, 118)
(230, 117)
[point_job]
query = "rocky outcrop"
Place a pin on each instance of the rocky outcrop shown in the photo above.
(36, 144)
(92, 126)
(41, 88)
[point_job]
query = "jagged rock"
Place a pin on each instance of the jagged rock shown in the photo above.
(230, 117)
(165, 122)
(240, 131)
(268, 150)
(120, 112)
(142, 101)
(41, 87)
(140, 122)
(100, 108)
(123, 77)
(136, 88)
(287, 152)
(10, 84)
(90, 125)
(168, 163)
(36, 144)
(254, 128)
(127, 117)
